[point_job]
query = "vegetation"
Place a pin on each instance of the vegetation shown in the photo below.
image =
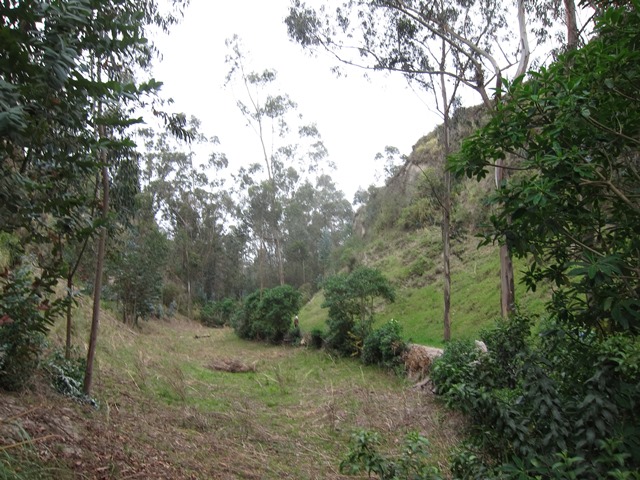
(267, 315)
(563, 404)
(350, 303)
(290, 415)
(554, 394)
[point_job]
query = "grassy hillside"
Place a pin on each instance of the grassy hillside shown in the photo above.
(168, 409)
(413, 263)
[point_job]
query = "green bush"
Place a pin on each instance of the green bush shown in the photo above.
(317, 338)
(364, 457)
(567, 406)
(384, 346)
(267, 316)
(217, 314)
(67, 375)
(351, 302)
(25, 316)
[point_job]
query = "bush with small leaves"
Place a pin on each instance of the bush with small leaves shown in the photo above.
(364, 457)
(267, 315)
(25, 315)
(385, 346)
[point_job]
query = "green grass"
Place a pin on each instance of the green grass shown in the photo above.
(413, 263)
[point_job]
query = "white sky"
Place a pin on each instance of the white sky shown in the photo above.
(357, 118)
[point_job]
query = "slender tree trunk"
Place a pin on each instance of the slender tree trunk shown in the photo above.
(507, 284)
(572, 24)
(446, 207)
(67, 349)
(280, 259)
(95, 319)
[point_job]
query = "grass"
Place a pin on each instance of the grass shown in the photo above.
(165, 413)
(413, 263)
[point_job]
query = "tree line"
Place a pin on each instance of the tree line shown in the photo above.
(101, 189)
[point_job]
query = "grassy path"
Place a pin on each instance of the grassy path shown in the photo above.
(166, 413)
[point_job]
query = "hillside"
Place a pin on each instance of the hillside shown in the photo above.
(398, 232)
(169, 410)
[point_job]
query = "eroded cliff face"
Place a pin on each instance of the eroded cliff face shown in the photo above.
(426, 156)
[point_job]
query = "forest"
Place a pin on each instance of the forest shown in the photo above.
(130, 270)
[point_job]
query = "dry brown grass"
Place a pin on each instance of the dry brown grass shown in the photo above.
(166, 414)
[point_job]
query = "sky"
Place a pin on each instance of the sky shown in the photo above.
(356, 117)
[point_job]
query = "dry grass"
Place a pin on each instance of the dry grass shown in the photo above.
(166, 414)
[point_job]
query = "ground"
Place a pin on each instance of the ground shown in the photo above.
(168, 408)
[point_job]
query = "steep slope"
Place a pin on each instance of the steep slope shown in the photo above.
(398, 231)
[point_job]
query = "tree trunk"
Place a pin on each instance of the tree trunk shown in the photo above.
(95, 319)
(446, 205)
(280, 259)
(507, 284)
(446, 253)
(572, 24)
(67, 348)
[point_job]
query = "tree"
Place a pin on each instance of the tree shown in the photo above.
(137, 264)
(574, 205)
(284, 155)
(192, 207)
(266, 315)
(477, 48)
(351, 301)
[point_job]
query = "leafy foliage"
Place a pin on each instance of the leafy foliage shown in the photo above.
(267, 315)
(137, 268)
(385, 346)
(25, 315)
(412, 463)
(351, 302)
(571, 132)
(67, 375)
(567, 409)
(219, 313)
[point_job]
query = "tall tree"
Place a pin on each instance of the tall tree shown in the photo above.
(192, 204)
(435, 46)
(121, 27)
(399, 36)
(284, 145)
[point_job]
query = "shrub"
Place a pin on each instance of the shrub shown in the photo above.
(384, 346)
(567, 406)
(267, 316)
(217, 314)
(351, 301)
(25, 316)
(67, 375)
(363, 457)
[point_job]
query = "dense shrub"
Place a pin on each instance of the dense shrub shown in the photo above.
(384, 346)
(563, 405)
(217, 314)
(412, 463)
(67, 375)
(317, 338)
(25, 316)
(267, 316)
(351, 301)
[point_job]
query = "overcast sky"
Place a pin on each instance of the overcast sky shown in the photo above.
(356, 117)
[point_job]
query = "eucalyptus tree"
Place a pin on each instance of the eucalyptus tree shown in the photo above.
(469, 46)
(435, 46)
(289, 149)
(67, 92)
(191, 203)
(317, 220)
